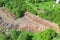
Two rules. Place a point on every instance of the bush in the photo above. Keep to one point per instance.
(3, 2)
(46, 35)
(2, 36)
(57, 37)
(14, 34)
(20, 35)
(25, 35)
(38, 1)
(18, 7)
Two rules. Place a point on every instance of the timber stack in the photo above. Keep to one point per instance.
(28, 22)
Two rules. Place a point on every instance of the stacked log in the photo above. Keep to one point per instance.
(39, 20)
(8, 13)
(29, 22)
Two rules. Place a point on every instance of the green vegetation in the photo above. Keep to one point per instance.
(18, 7)
(2, 36)
(17, 35)
(14, 34)
(57, 37)
(24, 35)
(45, 35)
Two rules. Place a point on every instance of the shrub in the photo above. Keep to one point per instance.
(3, 2)
(57, 37)
(14, 34)
(2, 36)
(25, 35)
(18, 7)
(46, 35)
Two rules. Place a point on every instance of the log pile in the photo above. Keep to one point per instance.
(29, 22)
